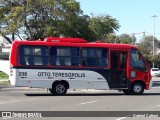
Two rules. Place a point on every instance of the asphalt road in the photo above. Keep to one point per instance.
(34, 99)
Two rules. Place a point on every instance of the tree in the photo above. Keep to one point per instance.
(146, 48)
(102, 26)
(38, 19)
(124, 38)
(111, 38)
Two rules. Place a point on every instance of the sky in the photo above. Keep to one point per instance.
(134, 16)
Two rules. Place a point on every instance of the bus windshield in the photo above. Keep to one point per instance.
(137, 61)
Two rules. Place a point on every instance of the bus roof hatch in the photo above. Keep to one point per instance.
(70, 40)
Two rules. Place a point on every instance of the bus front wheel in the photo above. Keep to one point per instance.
(59, 88)
(137, 88)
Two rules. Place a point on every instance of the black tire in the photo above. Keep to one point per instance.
(59, 88)
(137, 88)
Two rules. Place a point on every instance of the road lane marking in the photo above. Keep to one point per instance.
(121, 118)
(156, 87)
(88, 102)
(158, 106)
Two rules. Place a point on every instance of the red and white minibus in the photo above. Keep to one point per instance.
(73, 63)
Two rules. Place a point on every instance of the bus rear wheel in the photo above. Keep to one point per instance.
(137, 88)
(59, 88)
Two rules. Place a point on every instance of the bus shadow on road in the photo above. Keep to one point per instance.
(92, 94)
(79, 94)
(151, 94)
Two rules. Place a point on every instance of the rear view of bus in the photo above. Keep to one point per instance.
(73, 63)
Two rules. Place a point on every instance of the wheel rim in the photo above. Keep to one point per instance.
(137, 88)
(60, 89)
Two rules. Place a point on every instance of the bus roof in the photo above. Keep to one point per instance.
(75, 42)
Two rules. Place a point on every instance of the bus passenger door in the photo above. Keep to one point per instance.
(118, 62)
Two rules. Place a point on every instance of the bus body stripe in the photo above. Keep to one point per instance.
(104, 73)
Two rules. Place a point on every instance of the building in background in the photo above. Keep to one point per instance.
(5, 47)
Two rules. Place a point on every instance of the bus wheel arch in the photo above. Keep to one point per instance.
(137, 87)
(59, 87)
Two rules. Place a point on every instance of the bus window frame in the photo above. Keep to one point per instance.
(37, 46)
(107, 57)
(68, 66)
(64, 56)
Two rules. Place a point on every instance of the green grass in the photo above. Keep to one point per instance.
(4, 83)
(4, 79)
(3, 75)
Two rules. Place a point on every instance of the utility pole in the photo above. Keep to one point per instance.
(154, 16)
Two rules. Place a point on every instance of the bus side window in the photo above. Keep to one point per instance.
(62, 61)
(96, 57)
(104, 57)
(39, 55)
(90, 57)
(75, 60)
(30, 61)
(33, 55)
(84, 62)
(53, 53)
(64, 56)
(44, 55)
(22, 57)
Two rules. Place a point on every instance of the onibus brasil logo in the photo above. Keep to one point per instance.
(8, 115)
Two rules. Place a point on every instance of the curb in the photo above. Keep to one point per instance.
(2, 80)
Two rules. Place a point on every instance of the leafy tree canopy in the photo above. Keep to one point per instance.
(42, 18)
(146, 48)
(125, 38)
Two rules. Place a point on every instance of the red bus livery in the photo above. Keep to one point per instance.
(73, 63)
